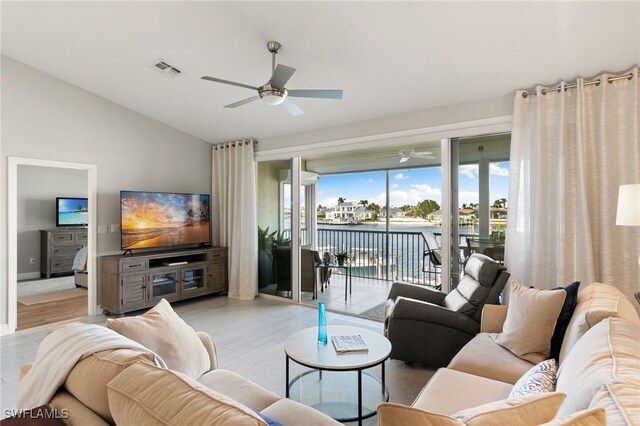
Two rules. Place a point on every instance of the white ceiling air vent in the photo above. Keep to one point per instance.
(166, 69)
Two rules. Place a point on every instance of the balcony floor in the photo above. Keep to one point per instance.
(366, 293)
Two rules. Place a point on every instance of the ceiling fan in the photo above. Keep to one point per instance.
(406, 154)
(274, 92)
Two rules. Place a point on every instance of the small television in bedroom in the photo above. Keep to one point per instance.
(161, 219)
(72, 211)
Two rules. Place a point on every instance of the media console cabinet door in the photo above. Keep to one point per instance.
(164, 283)
(134, 291)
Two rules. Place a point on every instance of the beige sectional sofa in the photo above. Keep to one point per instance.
(124, 387)
(599, 365)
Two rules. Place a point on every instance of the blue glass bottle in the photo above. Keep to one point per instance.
(322, 324)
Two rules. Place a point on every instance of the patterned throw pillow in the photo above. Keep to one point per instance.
(540, 378)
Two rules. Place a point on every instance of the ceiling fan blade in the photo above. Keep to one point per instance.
(281, 75)
(323, 94)
(233, 83)
(292, 108)
(423, 154)
(404, 159)
(242, 102)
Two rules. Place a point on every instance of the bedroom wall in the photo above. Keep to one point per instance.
(46, 118)
(38, 188)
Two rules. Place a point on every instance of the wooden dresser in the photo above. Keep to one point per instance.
(58, 248)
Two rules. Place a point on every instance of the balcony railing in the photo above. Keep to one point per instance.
(393, 255)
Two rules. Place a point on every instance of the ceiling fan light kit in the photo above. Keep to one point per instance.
(272, 95)
(274, 91)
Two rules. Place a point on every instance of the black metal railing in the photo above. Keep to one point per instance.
(393, 255)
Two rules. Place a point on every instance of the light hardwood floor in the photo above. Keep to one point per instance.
(38, 314)
(249, 337)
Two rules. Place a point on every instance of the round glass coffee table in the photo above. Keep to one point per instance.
(337, 385)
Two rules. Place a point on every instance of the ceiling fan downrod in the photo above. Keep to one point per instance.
(274, 48)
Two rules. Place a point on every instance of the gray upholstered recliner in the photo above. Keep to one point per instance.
(430, 327)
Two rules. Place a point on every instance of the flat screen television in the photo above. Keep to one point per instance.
(161, 219)
(72, 211)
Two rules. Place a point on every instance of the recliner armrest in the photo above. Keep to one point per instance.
(417, 292)
(416, 310)
(493, 317)
(207, 341)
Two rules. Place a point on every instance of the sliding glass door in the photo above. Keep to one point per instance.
(274, 228)
(479, 191)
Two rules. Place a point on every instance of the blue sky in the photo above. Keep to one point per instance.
(409, 186)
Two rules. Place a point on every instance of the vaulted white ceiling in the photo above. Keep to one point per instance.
(389, 57)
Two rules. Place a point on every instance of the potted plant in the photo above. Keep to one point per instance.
(342, 257)
(265, 257)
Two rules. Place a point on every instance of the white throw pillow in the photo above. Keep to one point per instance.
(530, 323)
(161, 330)
(540, 378)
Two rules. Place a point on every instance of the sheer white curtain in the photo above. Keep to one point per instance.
(570, 150)
(235, 226)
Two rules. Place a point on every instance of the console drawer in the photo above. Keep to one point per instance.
(81, 237)
(134, 265)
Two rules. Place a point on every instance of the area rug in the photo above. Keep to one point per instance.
(29, 288)
(377, 312)
(52, 296)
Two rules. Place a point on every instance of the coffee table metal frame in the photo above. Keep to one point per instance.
(343, 368)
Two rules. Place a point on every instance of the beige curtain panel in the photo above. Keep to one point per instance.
(571, 149)
(233, 200)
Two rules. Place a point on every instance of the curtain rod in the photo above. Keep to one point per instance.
(234, 143)
(574, 85)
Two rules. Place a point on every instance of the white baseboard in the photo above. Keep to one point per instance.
(28, 276)
(4, 329)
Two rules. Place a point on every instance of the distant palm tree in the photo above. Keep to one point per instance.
(364, 203)
(341, 200)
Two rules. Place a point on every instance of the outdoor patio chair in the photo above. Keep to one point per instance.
(429, 326)
(432, 256)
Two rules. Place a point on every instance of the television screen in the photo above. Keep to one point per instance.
(72, 211)
(158, 219)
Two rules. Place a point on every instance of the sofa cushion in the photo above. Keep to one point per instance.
(595, 303)
(523, 411)
(469, 390)
(78, 413)
(144, 394)
(540, 378)
(87, 381)
(292, 413)
(621, 402)
(390, 414)
(484, 357)
(594, 417)
(238, 388)
(531, 320)
(607, 353)
(164, 332)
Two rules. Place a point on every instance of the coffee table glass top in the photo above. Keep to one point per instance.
(303, 348)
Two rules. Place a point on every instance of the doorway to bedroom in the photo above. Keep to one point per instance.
(52, 239)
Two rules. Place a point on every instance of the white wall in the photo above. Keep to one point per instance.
(483, 109)
(44, 117)
(38, 188)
